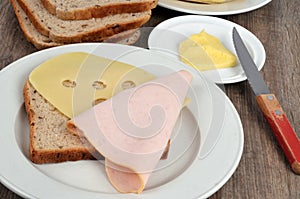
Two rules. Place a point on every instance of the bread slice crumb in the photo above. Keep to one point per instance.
(50, 141)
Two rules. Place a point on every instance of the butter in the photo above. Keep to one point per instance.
(74, 82)
(205, 52)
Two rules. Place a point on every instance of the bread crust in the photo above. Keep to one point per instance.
(98, 11)
(99, 33)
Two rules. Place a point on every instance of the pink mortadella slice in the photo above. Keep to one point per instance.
(132, 129)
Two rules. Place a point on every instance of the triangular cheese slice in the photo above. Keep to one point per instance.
(132, 129)
(74, 82)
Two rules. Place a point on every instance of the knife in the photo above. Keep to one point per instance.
(269, 105)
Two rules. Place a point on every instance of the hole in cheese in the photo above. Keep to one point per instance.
(128, 84)
(69, 83)
(97, 101)
(99, 85)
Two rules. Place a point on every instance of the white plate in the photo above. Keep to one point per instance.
(197, 166)
(167, 36)
(228, 8)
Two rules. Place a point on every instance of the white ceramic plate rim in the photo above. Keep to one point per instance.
(22, 177)
(165, 37)
(228, 8)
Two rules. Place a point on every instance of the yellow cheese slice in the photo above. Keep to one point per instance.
(74, 82)
(205, 52)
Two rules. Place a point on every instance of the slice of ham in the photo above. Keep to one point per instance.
(132, 129)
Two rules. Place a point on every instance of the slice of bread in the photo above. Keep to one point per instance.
(69, 31)
(50, 142)
(78, 9)
(41, 42)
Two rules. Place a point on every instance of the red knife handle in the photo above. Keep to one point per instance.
(282, 129)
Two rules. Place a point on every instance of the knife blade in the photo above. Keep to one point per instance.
(269, 105)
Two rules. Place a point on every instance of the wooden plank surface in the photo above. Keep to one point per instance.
(263, 171)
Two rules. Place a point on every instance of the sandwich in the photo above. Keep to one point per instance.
(81, 106)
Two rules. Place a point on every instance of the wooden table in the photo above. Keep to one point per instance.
(263, 171)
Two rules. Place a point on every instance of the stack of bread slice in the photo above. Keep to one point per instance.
(49, 23)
